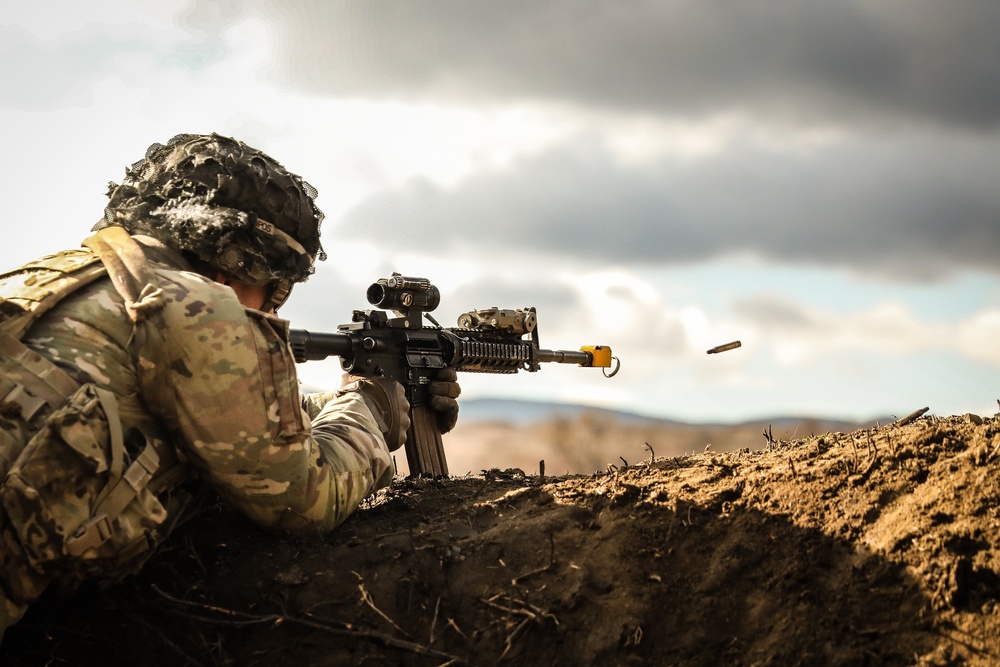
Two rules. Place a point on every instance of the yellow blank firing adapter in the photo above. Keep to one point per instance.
(600, 357)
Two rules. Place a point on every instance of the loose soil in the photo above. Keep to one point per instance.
(873, 547)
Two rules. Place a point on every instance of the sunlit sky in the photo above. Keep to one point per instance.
(816, 180)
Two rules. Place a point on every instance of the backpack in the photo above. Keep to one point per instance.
(79, 492)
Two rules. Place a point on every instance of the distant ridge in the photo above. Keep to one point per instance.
(521, 412)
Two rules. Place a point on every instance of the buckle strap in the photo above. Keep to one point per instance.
(142, 469)
(92, 534)
(122, 488)
(16, 395)
(110, 405)
(100, 527)
(54, 385)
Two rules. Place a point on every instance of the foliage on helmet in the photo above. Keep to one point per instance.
(230, 205)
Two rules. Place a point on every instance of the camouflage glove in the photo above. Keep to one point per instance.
(444, 390)
(387, 401)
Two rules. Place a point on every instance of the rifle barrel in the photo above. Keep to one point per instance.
(566, 357)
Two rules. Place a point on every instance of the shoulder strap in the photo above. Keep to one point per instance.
(128, 269)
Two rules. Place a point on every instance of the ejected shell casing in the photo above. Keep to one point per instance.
(725, 348)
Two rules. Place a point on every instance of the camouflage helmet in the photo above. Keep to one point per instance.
(229, 205)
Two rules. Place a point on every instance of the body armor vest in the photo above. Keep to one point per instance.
(71, 486)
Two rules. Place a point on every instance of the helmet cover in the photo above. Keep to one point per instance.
(231, 206)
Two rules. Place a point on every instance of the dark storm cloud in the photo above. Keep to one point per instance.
(795, 60)
(911, 206)
(774, 313)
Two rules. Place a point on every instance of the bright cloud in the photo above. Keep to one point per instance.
(661, 178)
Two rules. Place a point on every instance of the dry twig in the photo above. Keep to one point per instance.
(366, 598)
(528, 610)
(234, 618)
(552, 561)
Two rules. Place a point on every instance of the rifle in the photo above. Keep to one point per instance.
(492, 340)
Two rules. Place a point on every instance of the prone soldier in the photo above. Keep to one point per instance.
(151, 361)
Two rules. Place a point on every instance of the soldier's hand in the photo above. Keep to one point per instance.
(444, 390)
(387, 401)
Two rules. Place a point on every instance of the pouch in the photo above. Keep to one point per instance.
(63, 494)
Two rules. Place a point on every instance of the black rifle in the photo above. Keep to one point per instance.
(403, 349)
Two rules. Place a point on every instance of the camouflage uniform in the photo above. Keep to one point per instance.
(201, 386)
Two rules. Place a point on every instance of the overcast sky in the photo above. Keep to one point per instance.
(815, 179)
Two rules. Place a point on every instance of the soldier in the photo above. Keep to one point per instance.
(152, 360)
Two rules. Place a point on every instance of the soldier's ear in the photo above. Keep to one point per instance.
(221, 278)
(251, 296)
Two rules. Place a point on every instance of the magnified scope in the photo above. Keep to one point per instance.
(401, 294)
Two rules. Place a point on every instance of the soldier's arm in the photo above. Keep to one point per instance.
(236, 408)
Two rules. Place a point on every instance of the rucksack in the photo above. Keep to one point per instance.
(74, 490)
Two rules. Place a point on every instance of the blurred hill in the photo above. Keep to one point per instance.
(508, 433)
(521, 412)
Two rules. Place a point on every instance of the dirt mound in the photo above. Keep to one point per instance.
(877, 547)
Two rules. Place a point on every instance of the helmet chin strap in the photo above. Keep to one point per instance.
(278, 295)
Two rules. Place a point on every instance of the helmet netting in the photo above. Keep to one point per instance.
(209, 196)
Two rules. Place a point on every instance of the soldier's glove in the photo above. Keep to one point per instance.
(387, 401)
(444, 390)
